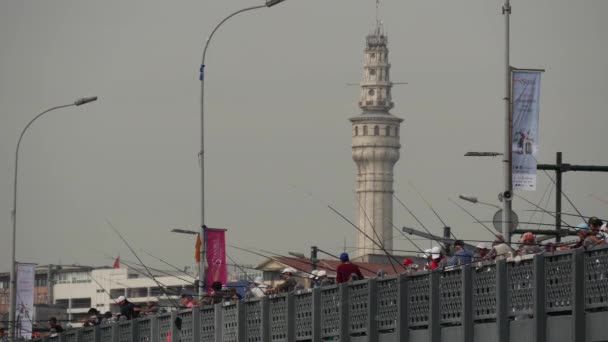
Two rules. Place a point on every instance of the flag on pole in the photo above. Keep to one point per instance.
(197, 248)
(116, 262)
(525, 94)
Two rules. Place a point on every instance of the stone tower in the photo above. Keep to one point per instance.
(375, 147)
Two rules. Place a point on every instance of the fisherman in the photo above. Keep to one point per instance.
(500, 250)
(594, 237)
(437, 258)
(216, 296)
(314, 280)
(95, 318)
(481, 251)
(289, 282)
(150, 309)
(528, 245)
(323, 279)
(427, 255)
(54, 325)
(259, 288)
(346, 269)
(462, 256)
(127, 309)
(187, 300)
(408, 263)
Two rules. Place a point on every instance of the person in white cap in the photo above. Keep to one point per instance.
(481, 251)
(289, 282)
(258, 287)
(436, 258)
(314, 280)
(323, 279)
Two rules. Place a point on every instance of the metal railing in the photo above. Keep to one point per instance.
(570, 284)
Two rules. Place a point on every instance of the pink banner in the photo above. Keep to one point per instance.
(216, 256)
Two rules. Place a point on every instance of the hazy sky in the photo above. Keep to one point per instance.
(278, 136)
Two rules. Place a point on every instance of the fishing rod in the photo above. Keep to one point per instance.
(365, 234)
(599, 199)
(103, 288)
(301, 260)
(271, 258)
(538, 224)
(568, 214)
(189, 281)
(431, 207)
(168, 264)
(417, 220)
(534, 204)
(486, 227)
(338, 258)
(405, 236)
(542, 219)
(375, 232)
(133, 251)
(563, 193)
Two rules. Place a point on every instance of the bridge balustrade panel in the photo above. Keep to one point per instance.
(207, 323)
(70, 336)
(559, 281)
(330, 312)
(164, 326)
(419, 295)
(186, 333)
(450, 292)
(144, 329)
(387, 291)
(358, 314)
(87, 334)
(125, 331)
(54, 338)
(520, 294)
(106, 332)
(303, 311)
(278, 318)
(253, 320)
(484, 291)
(230, 322)
(596, 278)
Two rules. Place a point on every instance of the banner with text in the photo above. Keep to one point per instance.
(25, 299)
(525, 96)
(216, 256)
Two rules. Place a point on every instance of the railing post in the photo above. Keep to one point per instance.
(502, 301)
(96, 337)
(115, 332)
(540, 315)
(173, 330)
(316, 315)
(241, 322)
(372, 310)
(344, 326)
(402, 325)
(467, 303)
(154, 326)
(291, 317)
(219, 323)
(265, 309)
(578, 295)
(434, 307)
(134, 330)
(196, 323)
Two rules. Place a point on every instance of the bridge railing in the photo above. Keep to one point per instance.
(565, 283)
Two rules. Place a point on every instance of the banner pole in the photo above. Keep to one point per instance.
(507, 195)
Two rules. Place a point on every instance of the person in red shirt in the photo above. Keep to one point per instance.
(345, 270)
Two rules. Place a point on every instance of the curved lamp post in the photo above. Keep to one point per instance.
(269, 3)
(13, 285)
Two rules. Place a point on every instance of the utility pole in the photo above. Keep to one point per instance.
(313, 257)
(507, 195)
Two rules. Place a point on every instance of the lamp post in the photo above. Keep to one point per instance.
(269, 3)
(13, 285)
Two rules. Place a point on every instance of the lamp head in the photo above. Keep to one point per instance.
(85, 100)
(270, 3)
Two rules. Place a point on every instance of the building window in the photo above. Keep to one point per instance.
(372, 55)
(376, 130)
(62, 302)
(396, 131)
(81, 303)
(115, 293)
(372, 72)
(356, 130)
(387, 131)
(364, 130)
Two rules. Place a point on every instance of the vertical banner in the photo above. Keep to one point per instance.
(215, 249)
(25, 300)
(525, 93)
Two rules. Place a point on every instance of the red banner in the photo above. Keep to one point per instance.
(216, 256)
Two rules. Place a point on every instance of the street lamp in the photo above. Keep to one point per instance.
(269, 3)
(473, 199)
(184, 231)
(13, 289)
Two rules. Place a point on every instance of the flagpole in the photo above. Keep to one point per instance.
(507, 195)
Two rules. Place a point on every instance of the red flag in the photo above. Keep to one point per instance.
(197, 248)
(117, 262)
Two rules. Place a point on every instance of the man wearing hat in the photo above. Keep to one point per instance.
(289, 282)
(314, 280)
(323, 279)
(187, 300)
(528, 245)
(346, 269)
(258, 287)
(127, 309)
(461, 256)
(481, 250)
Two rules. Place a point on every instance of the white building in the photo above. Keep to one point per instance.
(81, 290)
(375, 148)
